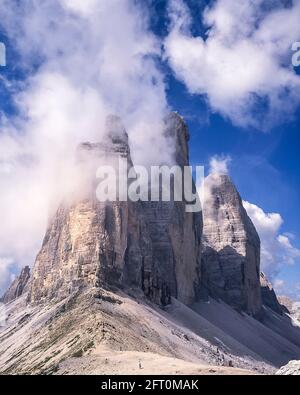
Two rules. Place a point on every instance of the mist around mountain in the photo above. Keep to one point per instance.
(122, 285)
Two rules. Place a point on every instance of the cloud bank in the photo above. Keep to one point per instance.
(243, 63)
(277, 249)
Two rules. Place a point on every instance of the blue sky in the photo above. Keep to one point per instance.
(264, 159)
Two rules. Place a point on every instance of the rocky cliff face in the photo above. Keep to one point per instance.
(268, 295)
(154, 246)
(175, 235)
(18, 286)
(92, 243)
(231, 247)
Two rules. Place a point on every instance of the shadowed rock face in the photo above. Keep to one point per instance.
(268, 295)
(18, 286)
(175, 235)
(231, 247)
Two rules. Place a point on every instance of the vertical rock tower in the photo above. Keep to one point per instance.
(175, 234)
(231, 247)
(88, 242)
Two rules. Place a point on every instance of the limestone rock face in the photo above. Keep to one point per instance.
(291, 369)
(175, 235)
(154, 246)
(231, 247)
(89, 242)
(268, 295)
(18, 286)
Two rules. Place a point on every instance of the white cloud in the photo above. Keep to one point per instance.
(83, 7)
(292, 252)
(276, 248)
(279, 284)
(84, 59)
(285, 241)
(244, 62)
(219, 164)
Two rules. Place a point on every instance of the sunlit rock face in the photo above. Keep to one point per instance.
(231, 247)
(88, 242)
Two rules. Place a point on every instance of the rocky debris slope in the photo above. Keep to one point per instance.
(274, 339)
(18, 286)
(268, 295)
(96, 331)
(231, 247)
(291, 369)
(91, 328)
(175, 234)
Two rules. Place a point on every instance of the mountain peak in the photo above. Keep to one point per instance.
(231, 247)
